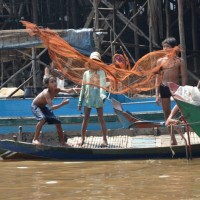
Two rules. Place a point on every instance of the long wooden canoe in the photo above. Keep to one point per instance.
(122, 144)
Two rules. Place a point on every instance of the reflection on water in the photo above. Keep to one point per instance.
(119, 180)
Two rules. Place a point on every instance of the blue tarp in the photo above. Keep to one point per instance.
(80, 39)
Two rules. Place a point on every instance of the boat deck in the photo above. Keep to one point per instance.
(122, 141)
(122, 138)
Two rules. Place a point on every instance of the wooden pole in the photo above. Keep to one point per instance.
(11, 77)
(167, 18)
(67, 13)
(182, 31)
(74, 8)
(96, 23)
(150, 25)
(34, 69)
(136, 39)
(113, 49)
(194, 33)
(1, 73)
(10, 95)
(34, 6)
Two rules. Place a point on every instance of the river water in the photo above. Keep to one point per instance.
(117, 180)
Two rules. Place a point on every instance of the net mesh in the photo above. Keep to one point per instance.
(122, 78)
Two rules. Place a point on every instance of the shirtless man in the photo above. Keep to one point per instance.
(171, 121)
(171, 74)
(45, 114)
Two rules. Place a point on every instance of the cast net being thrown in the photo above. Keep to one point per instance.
(121, 79)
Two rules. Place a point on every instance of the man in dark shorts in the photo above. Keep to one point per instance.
(164, 91)
(171, 73)
(45, 113)
(42, 108)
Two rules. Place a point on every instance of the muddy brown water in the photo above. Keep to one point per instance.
(119, 180)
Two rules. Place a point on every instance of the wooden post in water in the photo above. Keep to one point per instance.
(194, 33)
(136, 39)
(113, 48)
(167, 15)
(34, 7)
(150, 25)
(1, 72)
(96, 23)
(34, 69)
(182, 31)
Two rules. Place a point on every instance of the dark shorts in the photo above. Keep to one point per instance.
(164, 91)
(45, 113)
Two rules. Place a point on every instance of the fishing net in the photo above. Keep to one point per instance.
(121, 77)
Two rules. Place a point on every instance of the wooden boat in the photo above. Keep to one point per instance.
(129, 120)
(16, 112)
(134, 143)
(190, 112)
(70, 123)
(143, 107)
(17, 107)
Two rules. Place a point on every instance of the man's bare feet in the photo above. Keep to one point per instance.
(173, 142)
(81, 142)
(36, 142)
(104, 143)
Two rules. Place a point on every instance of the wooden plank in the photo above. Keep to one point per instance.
(114, 141)
(129, 142)
(89, 141)
(96, 142)
(194, 138)
(93, 141)
(110, 141)
(158, 141)
(124, 141)
(120, 141)
(74, 141)
(117, 142)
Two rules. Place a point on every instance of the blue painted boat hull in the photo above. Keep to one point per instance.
(15, 112)
(22, 107)
(65, 153)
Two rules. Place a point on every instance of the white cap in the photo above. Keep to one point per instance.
(95, 55)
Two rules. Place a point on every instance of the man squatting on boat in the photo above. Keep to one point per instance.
(42, 107)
